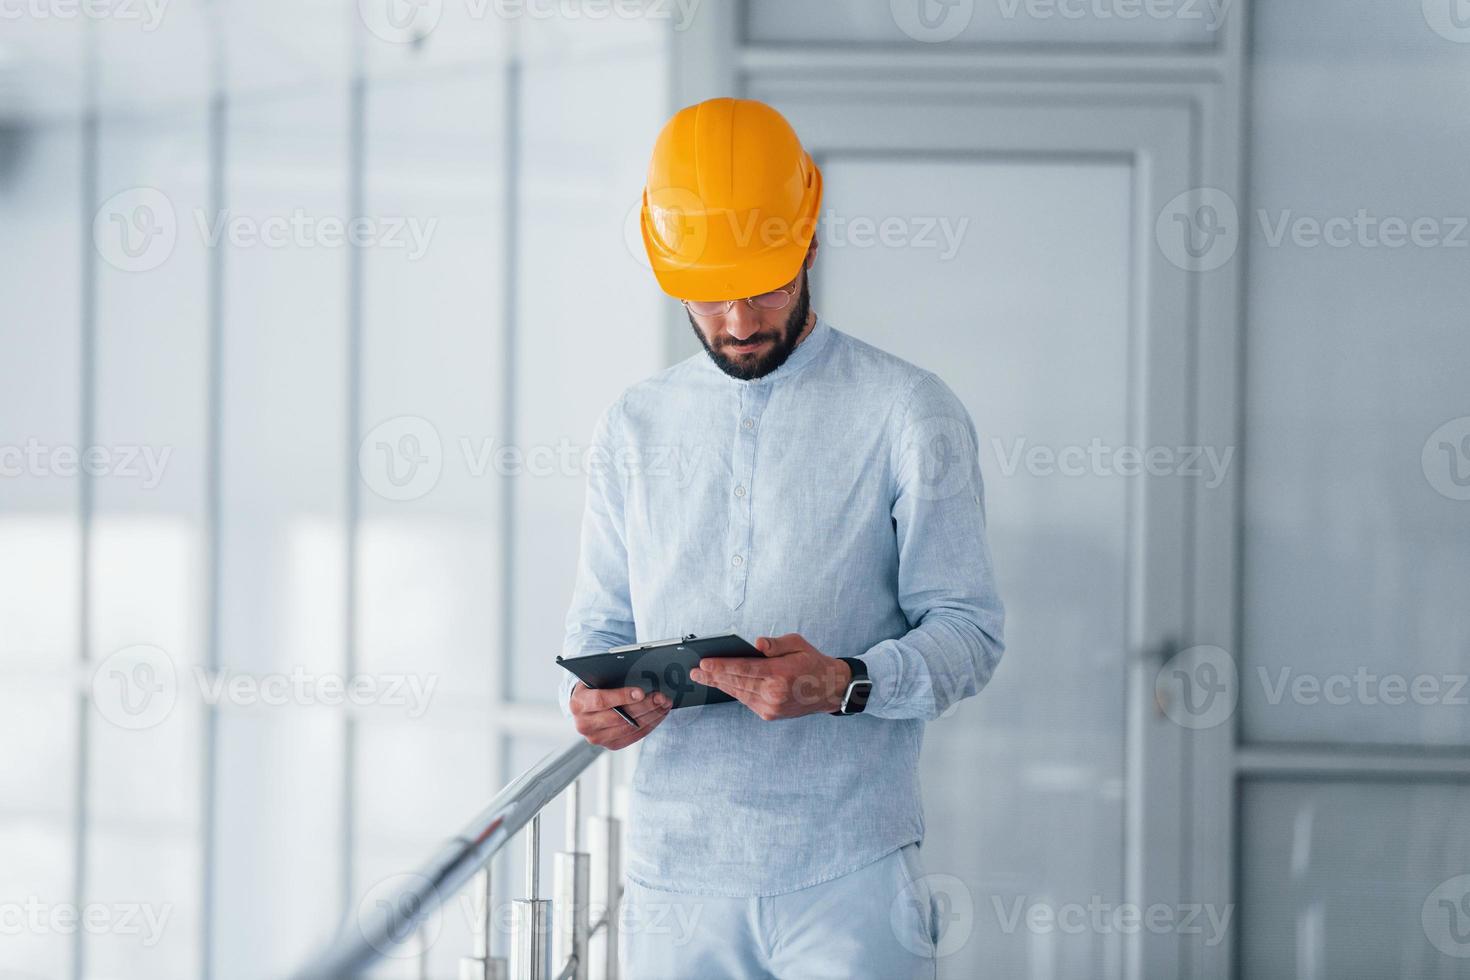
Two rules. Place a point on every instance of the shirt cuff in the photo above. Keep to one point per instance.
(885, 670)
(564, 695)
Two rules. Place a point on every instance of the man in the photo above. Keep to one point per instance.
(827, 501)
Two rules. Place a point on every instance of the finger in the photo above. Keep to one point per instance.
(647, 706)
(729, 667)
(757, 704)
(588, 699)
(629, 735)
(602, 731)
(779, 646)
(601, 721)
(736, 686)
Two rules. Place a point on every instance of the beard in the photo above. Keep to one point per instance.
(746, 367)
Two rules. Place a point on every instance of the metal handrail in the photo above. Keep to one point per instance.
(393, 920)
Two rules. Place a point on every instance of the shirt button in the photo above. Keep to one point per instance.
(748, 424)
(739, 491)
(737, 561)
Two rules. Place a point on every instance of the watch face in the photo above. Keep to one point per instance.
(857, 696)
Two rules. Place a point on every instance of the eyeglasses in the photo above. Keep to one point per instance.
(776, 299)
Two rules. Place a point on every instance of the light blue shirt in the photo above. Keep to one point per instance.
(838, 497)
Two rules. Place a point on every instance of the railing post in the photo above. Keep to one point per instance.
(481, 965)
(571, 891)
(531, 916)
(604, 845)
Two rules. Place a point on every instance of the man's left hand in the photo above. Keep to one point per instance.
(792, 679)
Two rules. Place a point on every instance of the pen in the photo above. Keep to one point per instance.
(627, 717)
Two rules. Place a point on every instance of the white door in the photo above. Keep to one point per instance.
(1007, 243)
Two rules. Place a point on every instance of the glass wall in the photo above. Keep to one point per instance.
(1355, 620)
(300, 275)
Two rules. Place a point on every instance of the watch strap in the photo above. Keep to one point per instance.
(855, 698)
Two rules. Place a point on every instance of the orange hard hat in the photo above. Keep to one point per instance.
(730, 206)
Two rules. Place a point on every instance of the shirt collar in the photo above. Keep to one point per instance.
(806, 352)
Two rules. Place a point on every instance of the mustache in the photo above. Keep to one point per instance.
(755, 340)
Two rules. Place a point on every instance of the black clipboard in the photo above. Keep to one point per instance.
(661, 665)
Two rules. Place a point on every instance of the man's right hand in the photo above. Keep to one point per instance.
(600, 725)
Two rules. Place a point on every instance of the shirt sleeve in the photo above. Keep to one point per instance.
(946, 583)
(601, 613)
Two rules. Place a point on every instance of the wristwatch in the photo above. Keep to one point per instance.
(855, 698)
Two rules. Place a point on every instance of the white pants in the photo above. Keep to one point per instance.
(878, 921)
